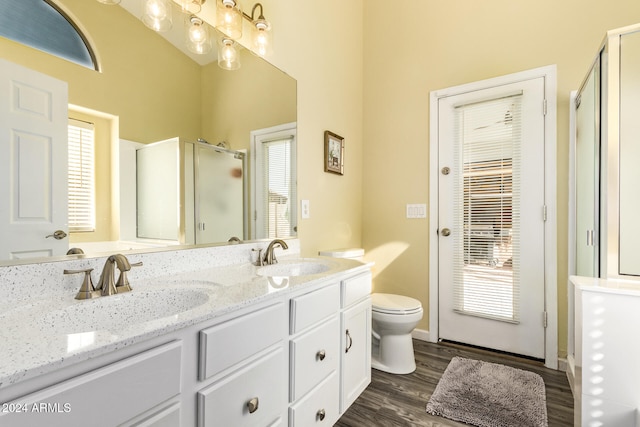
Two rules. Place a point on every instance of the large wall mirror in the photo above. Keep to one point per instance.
(149, 90)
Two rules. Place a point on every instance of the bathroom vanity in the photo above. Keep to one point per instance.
(232, 344)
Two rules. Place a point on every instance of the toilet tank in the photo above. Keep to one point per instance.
(352, 253)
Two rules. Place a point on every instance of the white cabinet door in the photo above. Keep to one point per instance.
(356, 353)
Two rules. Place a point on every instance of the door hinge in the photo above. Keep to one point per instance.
(544, 212)
(544, 107)
(544, 319)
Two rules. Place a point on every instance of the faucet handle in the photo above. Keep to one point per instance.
(256, 257)
(87, 290)
(122, 285)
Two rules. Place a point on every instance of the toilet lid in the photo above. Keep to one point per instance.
(394, 304)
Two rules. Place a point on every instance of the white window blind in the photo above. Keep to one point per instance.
(81, 176)
(486, 209)
(280, 190)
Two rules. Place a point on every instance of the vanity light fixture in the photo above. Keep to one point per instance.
(229, 18)
(228, 58)
(157, 14)
(190, 6)
(197, 36)
(109, 2)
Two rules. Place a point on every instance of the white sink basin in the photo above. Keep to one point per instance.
(298, 267)
(119, 311)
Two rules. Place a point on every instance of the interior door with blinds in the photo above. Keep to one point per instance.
(491, 218)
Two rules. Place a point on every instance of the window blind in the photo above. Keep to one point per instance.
(278, 169)
(81, 177)
(486, 209)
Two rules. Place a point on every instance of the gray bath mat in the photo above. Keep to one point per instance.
(489, 395)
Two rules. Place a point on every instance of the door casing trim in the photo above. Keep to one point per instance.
(549, 73)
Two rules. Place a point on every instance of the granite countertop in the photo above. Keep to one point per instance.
(43, 335)
(612, 285)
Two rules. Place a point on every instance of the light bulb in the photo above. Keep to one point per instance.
(262, 38)
(157, 15)
(228, 57)
(198, 40)
(229, 18)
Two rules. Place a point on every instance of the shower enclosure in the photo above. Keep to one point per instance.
(190, 192)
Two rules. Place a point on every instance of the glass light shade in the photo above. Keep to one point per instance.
(197, 36)
(157, 14)
(190, 6)
(228, 55)
(262, 40)
(229, 18)
(109, 2)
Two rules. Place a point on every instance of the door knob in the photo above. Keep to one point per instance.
(445, 232)
(58, 235)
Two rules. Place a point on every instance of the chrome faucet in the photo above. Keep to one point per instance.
(269, 255)
(107, 283)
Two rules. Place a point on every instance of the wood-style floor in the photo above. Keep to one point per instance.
(400, 400)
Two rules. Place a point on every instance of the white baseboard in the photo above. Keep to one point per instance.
(420, 334)
(570, 369)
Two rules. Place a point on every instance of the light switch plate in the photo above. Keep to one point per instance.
(417, 210)
(304, 207)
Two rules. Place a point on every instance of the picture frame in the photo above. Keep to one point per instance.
(333, 153)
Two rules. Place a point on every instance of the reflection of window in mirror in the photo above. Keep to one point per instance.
(275, 183)
(104, 223)
(81, 181)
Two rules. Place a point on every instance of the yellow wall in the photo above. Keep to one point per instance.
(430, 45)
(320, 44)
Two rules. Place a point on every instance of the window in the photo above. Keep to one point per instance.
(81, 189)
(45, 26)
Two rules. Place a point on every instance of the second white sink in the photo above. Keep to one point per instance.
(297, 267)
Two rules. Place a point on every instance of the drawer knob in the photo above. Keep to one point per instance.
(321, 414)
(321, 355)
(252, 405)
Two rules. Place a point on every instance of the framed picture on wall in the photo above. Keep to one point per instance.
(333, 153)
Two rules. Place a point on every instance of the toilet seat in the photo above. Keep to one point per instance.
(394, 304)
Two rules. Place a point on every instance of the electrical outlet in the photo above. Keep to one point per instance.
(304, 206)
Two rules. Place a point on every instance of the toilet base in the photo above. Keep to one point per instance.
(393, 354)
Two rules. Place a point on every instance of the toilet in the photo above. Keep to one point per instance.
(393, 319)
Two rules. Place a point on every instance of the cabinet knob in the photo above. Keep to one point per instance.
(252, 405)
(321, 355)
(321, 414)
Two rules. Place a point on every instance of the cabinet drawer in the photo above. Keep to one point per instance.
(320, 407)
(312, 307)
(355, 288)
(107, 396)
(165, 417)
(228, 343)
(313, 356)
(226, 402)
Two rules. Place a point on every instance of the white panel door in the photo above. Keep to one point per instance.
(33, 172)
(491, 222)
